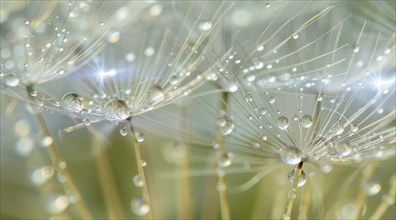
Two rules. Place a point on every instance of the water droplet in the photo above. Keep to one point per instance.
(116, 109)
(248, 98)
(58, 204)
(306, 121)
(295, 118)
(86, 121)
(283, 123)
(139, 206)
(354, 128)
(138, 181)
(205, 26)
(262, 111)
(123, 131)
(46, 141)
(271, 100)
(139, 137)
(343, 149)
(144, 163)
(301, 180)
(225, 159)
(371, 186)
(11, 81)
(225, 124)
(337, 128)
(157, 95)
(72, 102)
(260, 48)
(32, 92)
(290, 155)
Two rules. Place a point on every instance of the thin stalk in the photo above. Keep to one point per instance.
(59, 163)
(293, 191)
(138, 158)
(387, 200)
(305, 201)
(106, 178)
(225, 212)
(183, 184)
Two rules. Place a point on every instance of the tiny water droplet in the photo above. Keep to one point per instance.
(144, 163)
(138, 181)
(262, 111)
(46, 141)
(306, 121)
(139, 137)
(283, 123)
(354, 128)
(157, 95)
(123, 131)
(301, 180)
(72, 102)
(225, 159)
(86, 121)
(116, 109)
(139, 206)
(225, 124)
(271, 100)
(290, 155)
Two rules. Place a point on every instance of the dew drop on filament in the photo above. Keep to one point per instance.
(225, 159)
(301, 180)
(139, 206)
(283, 123)
(290, 155)
(116, 109)
(225, 124)
(156, 95)
(306, 121)
(123, 131)
(73, 102)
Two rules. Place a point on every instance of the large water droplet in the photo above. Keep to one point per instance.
(139, 206)
(306, 121)
(282, 122)
(371, 186)
(156, 95)
(343, 149)
(301, 180)
(290, 155)
(72, 102)
(116, 109)
(138, 181)
(225, 124)
(225, 159)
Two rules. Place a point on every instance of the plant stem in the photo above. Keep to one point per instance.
(293, 191)
(106, 178)
(58, 162)
(225, 212)
(305, 201)
(138, 158)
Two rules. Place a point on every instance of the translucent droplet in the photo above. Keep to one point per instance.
(116, 109)
(123, 131)
(11, 81)
(225, 124)
(139, 206)
(271, 100)
(204, 26)
(290, 155)
(260, 48)
(354, 128)
(144, 163)
(337, 128)
(306, 121)
(58, 204)
(282, 122)
(46, 141)
(225, 159)
(138, 181)
(295, 118)
(72, 102)
(157, 95)
(343, 149)
(86, 121)
(301, 180)
(371, 186)
(262, 111)
(139, 137)
(248, 98)
(32, 92)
